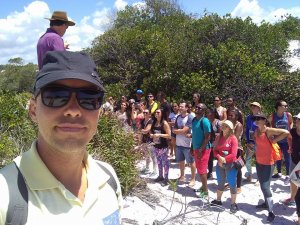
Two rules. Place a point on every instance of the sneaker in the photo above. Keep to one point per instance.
(262, 206)
(153, 174)
(234, 208)
(198, 190)
(165, 182)
(159, 179)
(287, 180)
(202, 194)
(209, 176)
(216, 202)
(277, 175)
(271, 217)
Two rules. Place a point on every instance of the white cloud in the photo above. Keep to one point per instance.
(120, 4)
(20, 31)
(251, 8)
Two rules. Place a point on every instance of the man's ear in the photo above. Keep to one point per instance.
(32, 109)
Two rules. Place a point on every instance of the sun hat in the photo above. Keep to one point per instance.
(228, 123)
(260, 115)
(297, 116)
(61, 16)
(255, 104)
(60, 65)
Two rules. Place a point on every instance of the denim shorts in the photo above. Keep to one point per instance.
(184, 153)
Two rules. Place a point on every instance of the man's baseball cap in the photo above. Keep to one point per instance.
(139, 91)
(60, 65)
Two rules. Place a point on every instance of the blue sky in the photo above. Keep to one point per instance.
(22, 21)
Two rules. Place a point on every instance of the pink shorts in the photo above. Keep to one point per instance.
(202, 163)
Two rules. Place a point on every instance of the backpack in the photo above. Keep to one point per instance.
(17, 211)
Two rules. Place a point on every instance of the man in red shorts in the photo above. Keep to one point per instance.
(201, 130)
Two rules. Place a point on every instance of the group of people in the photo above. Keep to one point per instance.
(196, 135)
(56, 181)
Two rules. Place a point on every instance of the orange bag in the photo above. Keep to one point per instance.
(276, 152)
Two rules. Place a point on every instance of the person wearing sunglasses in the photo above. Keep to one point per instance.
(264, 136)
(63, 182)
(284, 120)
(151, 104)
(147, 144)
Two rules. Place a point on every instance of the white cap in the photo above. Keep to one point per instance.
(297, 116)
(228, 123)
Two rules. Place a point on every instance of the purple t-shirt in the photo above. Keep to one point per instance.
(50, 41)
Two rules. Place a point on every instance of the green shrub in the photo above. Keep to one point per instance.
(113, 145)
(17, 131)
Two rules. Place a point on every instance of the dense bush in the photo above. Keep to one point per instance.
(17, 131)
(113, 145)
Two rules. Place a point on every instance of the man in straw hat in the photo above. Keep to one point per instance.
(255, 108)
(52, 39)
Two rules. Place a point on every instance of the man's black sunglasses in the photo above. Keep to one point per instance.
(59, 96)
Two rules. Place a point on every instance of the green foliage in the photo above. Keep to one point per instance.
(17, 131)
(113, 145)
(158, 47)
(16, 77)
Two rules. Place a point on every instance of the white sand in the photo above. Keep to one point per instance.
(187, 209)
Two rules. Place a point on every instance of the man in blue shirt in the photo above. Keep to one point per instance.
(255, 108)
(201, 129)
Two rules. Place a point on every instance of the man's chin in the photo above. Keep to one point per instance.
(71, 145)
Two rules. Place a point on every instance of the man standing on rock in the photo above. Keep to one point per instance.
(52, 39)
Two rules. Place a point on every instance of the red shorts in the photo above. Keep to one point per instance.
(202, 163)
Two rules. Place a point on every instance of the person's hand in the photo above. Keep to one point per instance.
(290, 151)
(66, 44)
(188, 135)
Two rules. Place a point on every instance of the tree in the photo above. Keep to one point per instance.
(158, 47)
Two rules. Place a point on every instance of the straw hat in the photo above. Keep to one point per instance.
(228, 123)
(255, 104)
(62, 16)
